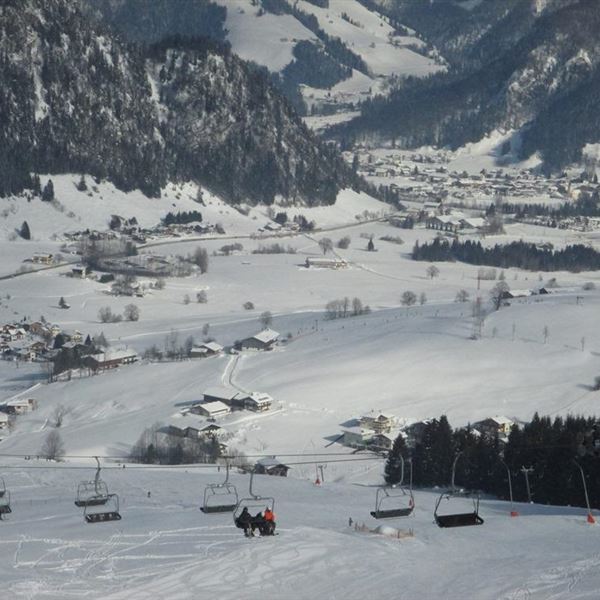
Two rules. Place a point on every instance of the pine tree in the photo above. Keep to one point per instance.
(393, 465)
(24, 231)
(48, 192)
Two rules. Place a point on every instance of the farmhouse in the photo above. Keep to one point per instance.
(383, 441)
(81, 271)
(206, 349)
(494, 426)
(271, 466)
(110, 359)
(20, 407)
(264, 340)
(44, 258)
(211, 409)
(379, 424)
(356, 437)
(325, 263)
(258, 401)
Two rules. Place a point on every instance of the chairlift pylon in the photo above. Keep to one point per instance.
(94, 492)
(253, 502)
(395, 501)
(457, 519)
(220, 497)
(5, 508)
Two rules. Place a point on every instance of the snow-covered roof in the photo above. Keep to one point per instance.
(212, 346)
(216, 406)
(114, 355)
(221, 392)
(266, 336)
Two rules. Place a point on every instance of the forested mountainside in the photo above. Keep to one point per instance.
(145, 21)
(76, 98)
(533, 66)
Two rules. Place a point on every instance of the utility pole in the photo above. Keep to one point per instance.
(526, 471)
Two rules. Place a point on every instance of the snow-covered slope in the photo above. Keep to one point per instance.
(164, 547)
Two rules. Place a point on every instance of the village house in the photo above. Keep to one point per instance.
(356, 437)
(211, 410)
(257, 401)
(271, 466)
(44, 258)
(236, 400)
(110, 359)
(492, 426)
(19, 406)
(380, 423)
(205, 350)
(383, 441)
(264, 340)
(80, 271)
(325, 263)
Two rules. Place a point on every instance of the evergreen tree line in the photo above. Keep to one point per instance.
(523, 255)
(182, 217)
(549, 447)
(585, 206)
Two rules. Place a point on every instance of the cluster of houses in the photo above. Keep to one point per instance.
(221, 401)
(377, 432)
(32, 341)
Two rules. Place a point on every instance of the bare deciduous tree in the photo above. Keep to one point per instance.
(200, 259)
(462, 296)
(58, 414)
(266, 319)
(498, 293)
(422, 298)
(432, 271)
(53, 447)
(408, 298)
(105, 314)
(344, 243)
(131, 312)
(326, 245)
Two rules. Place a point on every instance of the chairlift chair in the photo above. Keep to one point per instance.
(109, 512)
(394, 501)
(457, 519)
(92, 493)
(254, 503)
(220, 497)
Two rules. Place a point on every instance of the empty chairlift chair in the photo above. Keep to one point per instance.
(220, 497)
(109, 511)
(254, 503)
(98, 504)
(92, 493)
(4, 500)
(394, 501)
(463, 519)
